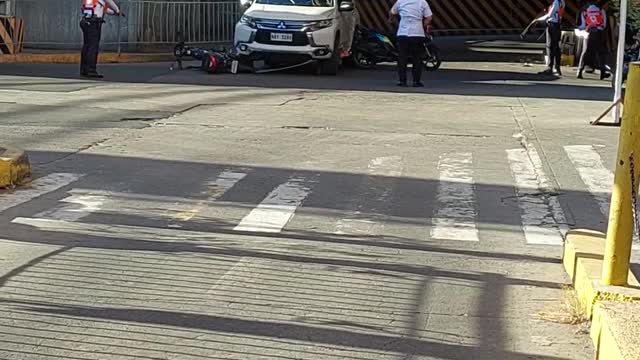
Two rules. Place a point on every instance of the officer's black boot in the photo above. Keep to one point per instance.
(94, 75)
(580, 74)
(604, 73)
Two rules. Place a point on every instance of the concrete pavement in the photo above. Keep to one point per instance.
(182, 216)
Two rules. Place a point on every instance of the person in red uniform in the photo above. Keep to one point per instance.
(593, 19)
(93, 12)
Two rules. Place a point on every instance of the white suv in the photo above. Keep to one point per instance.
(290, 31)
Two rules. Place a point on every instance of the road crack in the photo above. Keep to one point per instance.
(302, 96)
(548, 186)
(81, 149)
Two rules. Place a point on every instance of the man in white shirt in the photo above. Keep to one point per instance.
(415, 16)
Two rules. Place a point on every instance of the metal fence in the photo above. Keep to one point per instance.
(149, 25)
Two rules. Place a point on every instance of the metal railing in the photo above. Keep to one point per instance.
(149, 25)
(195, 22)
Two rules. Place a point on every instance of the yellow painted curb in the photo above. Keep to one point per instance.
(607, 306)
(15, 168)
(74, 58)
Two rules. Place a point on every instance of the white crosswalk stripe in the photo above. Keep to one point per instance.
(123, 203)
(77, 207)
(115, 231)
(277, 209)
(84, 202)
(213, 191)
(595, 176)
(455, 218)
(37, 188)
(541, 214)
(358, 223)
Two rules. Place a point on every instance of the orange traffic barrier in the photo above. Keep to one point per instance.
(11, 35)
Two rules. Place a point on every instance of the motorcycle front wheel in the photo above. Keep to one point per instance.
(362, 61)
(432, 60)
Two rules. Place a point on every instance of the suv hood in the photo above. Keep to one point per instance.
(293, 13)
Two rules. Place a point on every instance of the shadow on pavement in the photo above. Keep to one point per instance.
(502, 80)
(135, 286)
(279, 330)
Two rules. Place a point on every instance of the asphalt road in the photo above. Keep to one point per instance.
(177, 215)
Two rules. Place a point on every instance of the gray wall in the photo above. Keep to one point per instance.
(54, 24)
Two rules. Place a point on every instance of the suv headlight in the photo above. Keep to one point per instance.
(249, 21)
(318, 25)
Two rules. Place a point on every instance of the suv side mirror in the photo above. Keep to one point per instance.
(245, 3)
(346, 6)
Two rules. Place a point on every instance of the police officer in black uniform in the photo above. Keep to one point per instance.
(93, 12)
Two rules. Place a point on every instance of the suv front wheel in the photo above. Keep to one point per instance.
(332, 65)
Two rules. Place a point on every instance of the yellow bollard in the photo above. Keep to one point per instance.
(621, 223)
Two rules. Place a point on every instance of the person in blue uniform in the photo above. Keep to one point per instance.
(553, 18)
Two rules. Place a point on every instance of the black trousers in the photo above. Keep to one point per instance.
(554, 35)
(584, 61)
(91, 31)
(595, 52)
(410, 48)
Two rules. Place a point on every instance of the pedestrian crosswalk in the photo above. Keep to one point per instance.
(453, 212)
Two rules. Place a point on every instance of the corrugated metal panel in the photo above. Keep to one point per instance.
(56, 23)
(461, 17)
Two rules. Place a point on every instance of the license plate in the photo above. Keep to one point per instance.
(282, 37)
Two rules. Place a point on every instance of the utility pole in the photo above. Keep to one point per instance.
(622, 24)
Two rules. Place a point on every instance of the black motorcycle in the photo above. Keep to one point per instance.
(212, 61)
(371, 47)
(630, 55)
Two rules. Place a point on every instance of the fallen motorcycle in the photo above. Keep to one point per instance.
(371, 47)
(630, 55)
(219, 61)
(212, 61)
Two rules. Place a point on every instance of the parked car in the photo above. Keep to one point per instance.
(291, 31)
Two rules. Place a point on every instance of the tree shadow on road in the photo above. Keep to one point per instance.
(500, 80)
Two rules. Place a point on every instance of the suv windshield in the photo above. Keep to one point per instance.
(318, 3)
